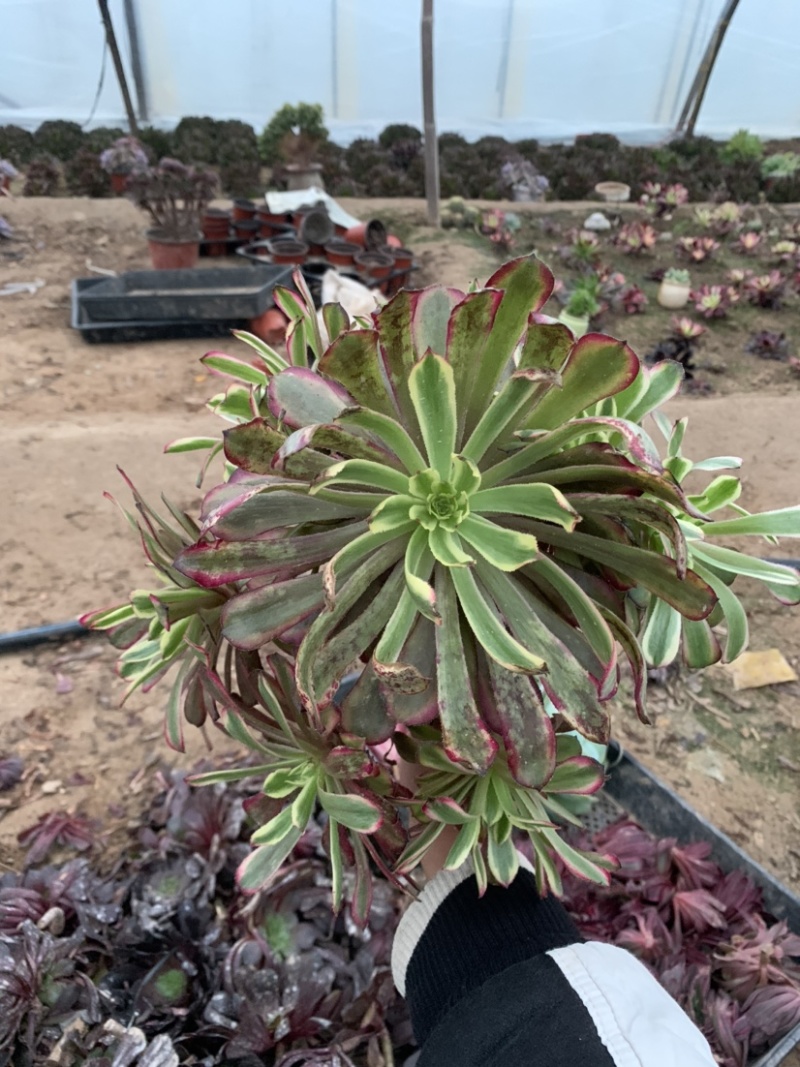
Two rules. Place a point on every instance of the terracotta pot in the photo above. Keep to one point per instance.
(246, 229)
(119, 183)
(375, 264)
(280, 218)
(341, 253)
(275, 229)
(216, 223)
(216, 248)
(393, 242)
(170, 253)
(673, 294)
(243, 209)
(287, 250)
(270, 326)
(403, 257)
(370, 235)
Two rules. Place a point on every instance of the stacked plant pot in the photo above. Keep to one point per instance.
(308, 238)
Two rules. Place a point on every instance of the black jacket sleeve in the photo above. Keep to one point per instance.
(506, 979)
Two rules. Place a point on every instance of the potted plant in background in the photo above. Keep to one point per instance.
(175, 197)
(674, 290)
(440, 503)
(582, 304)
(125, 156)
(298, 164)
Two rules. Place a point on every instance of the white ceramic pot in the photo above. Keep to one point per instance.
(579, 324)
(613, 192)
(673, 294)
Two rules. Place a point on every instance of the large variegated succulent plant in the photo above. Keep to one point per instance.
(457, 506)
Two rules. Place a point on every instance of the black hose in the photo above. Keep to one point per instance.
(786, 562)
(36, 635)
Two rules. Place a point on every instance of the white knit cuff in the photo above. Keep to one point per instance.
(417, 916)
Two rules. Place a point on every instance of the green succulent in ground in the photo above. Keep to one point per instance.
(455, 507)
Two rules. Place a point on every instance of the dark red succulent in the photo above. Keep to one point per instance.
(64, 828)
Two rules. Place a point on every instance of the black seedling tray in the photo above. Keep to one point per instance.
(632, 789)
(180, 295)
(111, 331)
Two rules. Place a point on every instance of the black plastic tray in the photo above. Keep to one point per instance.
(112, 332)
(178, 295)
(637, 791)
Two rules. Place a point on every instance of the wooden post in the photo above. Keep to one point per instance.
(123, 82)
(697, 92)
(429, 114)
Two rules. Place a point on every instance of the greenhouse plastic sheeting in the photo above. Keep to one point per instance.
(520, 68)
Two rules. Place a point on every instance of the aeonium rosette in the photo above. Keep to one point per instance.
(456, 505)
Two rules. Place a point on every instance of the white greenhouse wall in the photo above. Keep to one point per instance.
(520, 68)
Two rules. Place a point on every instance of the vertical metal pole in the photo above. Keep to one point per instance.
(429, 114)
(114, 49)
(139, 83)
(694, 101)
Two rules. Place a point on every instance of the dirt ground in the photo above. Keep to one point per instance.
(71, 412)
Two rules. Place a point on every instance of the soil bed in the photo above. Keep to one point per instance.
(70, 412)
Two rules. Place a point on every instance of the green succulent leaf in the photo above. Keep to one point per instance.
(782, 523)
(432, 390)
(260, 866)
(503, 858)
(418, 567)
(236, 368)
(357, 813)
(390, 433)
(508, 550)
(661, 639)
(364, 472)
(488, 627)
(699, 645)
(536, 501)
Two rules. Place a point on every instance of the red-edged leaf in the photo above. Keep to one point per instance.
(630, 646)
(263, 512)
(466, 738)
(353, 361)
(299, 397)
(691, 596)
(566, 681)
(598, 366)
(579, 774)
(526, 728)
(418, 655)
(331, 438)
(526, 284)
(221, 562)
(546, 346)
(468, 333)
(254, 618)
